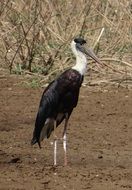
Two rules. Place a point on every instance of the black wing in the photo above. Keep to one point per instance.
(61, 96)
(48, 103)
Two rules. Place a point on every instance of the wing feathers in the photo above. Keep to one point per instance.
(47, 106)
(61, 96)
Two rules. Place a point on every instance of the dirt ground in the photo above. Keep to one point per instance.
(99, 141)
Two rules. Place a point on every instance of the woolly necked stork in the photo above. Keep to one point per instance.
(61, 97)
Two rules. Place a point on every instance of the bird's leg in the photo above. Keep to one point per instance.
(65, 151)
(55, 152)
(55, 145)
(64, 140)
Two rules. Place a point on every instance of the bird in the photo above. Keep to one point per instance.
(60, 97)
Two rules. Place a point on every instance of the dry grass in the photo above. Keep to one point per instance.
(35, 35)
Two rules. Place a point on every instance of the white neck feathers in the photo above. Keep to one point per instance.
(81, 61)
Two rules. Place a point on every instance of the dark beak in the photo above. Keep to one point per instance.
(89, 52)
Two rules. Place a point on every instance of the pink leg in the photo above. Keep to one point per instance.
(55, 145)
(65, 141)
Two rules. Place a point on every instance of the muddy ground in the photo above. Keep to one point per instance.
(99, 141)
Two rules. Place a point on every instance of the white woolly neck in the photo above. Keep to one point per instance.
(81, 61)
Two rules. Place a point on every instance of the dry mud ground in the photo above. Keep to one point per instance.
(99, 141)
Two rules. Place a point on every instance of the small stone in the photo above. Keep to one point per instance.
(100, 156)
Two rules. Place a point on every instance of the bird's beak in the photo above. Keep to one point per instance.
(91, 54)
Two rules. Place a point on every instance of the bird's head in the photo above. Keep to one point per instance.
(79, 45)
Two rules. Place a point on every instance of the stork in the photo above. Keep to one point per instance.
(61, 97)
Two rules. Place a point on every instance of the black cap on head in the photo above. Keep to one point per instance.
(80, 41)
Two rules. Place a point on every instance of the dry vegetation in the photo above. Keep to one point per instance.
(35, 35)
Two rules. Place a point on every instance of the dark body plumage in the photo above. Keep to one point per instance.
(58, 99)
